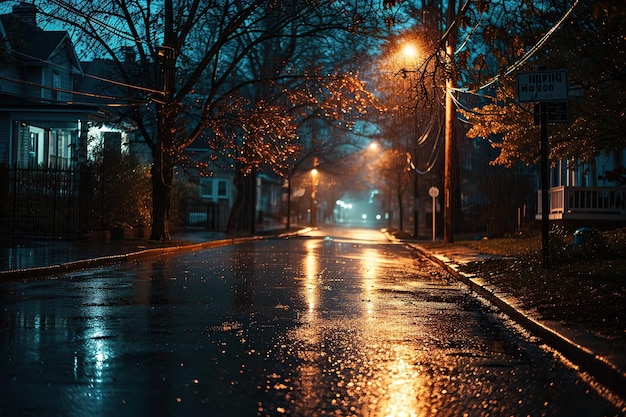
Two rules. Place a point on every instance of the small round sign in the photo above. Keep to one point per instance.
(433, 192)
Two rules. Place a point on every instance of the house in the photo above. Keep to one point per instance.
(40, 124)
(110, 127)
(209, 203)
(581, 193)
(42, 129)
(588, 194)
(50, 113)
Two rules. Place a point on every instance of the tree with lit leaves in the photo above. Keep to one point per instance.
(193, 74)
(496, 39)
(590, 45)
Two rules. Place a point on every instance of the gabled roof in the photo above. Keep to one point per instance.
(4, 41)
(32, 45)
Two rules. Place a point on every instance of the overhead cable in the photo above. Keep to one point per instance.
(64, 90)
(515, 66)
(95, 77)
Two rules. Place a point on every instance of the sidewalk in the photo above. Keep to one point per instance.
(38, 258)
(30, 254)
(25, 254)
(606, 363)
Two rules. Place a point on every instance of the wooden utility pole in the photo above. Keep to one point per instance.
(450, 142)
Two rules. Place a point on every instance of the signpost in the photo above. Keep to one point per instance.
(557, 112)
(434, 193)
(549, 90)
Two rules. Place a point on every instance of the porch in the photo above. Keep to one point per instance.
(585, 203)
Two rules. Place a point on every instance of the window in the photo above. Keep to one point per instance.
(213, 188)
(32, 149)
(222, 189)
(56, 85)
(60, 149)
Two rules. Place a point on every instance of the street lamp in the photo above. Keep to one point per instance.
(409, 51)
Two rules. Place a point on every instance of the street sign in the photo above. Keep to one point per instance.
(542, 86)
(556, 112)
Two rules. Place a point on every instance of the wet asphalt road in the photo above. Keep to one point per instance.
(337, 323)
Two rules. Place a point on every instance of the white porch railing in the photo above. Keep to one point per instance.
(586, 200)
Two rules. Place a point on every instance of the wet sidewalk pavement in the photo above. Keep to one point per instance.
(604, 361)
(591, 354)
(21, 254)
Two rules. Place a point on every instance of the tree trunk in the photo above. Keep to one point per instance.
(234, 214)
(162, 175)
(237, 216)
(252, 212)
(164, 154)
(243, 214)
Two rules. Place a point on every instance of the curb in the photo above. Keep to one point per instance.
(67, 267)
(587, 361)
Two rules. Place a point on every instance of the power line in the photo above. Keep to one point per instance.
(64, 90)
(454, 23)
(531, 51)
(469, 35)
(95, 77)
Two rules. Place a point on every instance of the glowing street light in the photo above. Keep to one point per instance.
(409, 51)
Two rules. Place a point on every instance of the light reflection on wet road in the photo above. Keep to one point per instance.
(300, 327)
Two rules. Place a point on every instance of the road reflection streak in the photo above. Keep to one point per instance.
(369, 274)
(399, 377)
(312, 271)
(369, 371)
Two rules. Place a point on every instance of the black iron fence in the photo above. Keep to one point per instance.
(46, 202)
(67, 203)
(199, 213)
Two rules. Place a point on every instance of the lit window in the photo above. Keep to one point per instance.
(213, 188)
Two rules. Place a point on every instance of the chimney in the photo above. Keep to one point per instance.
(129, 54)
(26, 12)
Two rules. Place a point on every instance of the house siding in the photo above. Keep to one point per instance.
(22, 148)
(5, 139)
(32, 87)
(11, 87)
(590, 174)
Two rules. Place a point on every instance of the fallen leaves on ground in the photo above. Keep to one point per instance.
(584, 294)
